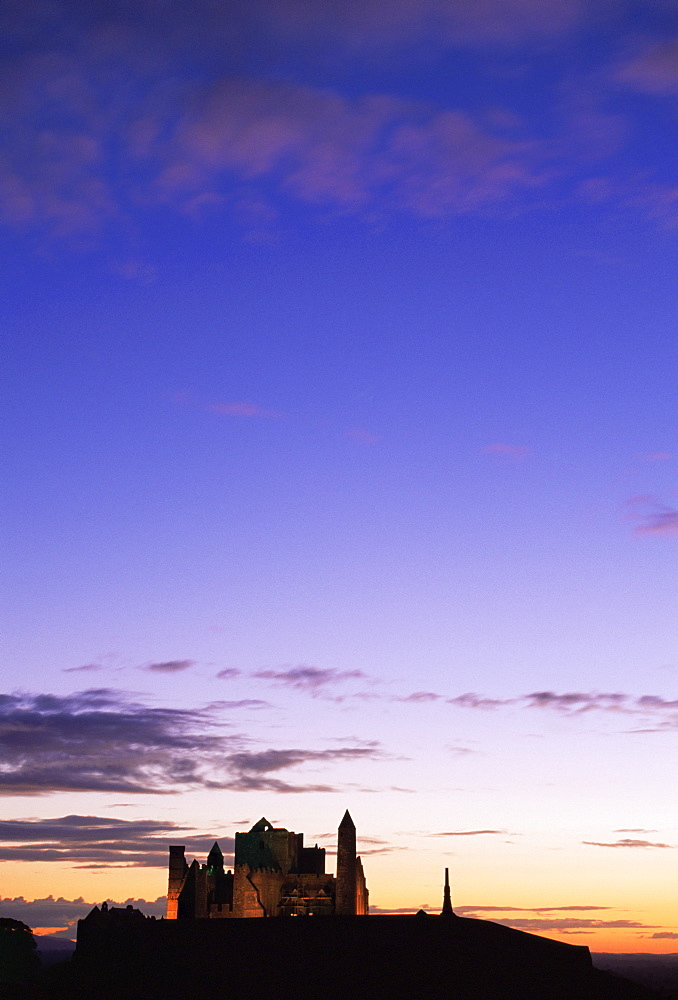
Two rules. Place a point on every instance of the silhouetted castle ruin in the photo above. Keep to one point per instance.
(273, 875)
(123, 955)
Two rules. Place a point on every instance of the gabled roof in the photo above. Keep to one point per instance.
(261, 826)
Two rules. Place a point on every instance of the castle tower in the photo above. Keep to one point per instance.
(178, 870)
(345, 899)
(215, 861)
(447, 910)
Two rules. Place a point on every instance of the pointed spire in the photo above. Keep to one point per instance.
(447, 910)
(215, 860)
(347, 821)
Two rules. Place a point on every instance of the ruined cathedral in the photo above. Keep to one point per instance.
(273, 875)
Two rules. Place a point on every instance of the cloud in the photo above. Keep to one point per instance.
(662, 522)
(630, 829)
(198, 147)
(251, 771)
(87, 667)
(651, 516)
(314, 680)
(527, 909)
(653, 71)
(98, 841)
(465, 833)
(170, 666)
(99, 740)
(228, 674)
(238, 703)
(568, 924)
(459, 751)
(672, 935)
(108, 116)
(420, 697)
(627, 842)
(552, 924)
(655, 702)
(576, 701)
(561, 924)
(512, 451)
(471, 700)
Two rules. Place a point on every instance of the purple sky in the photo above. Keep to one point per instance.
(339, 453)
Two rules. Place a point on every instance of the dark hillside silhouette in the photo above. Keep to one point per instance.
(394, 958)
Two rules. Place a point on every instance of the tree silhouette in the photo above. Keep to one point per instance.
(18, 951)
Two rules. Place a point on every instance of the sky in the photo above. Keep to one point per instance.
(339, 453)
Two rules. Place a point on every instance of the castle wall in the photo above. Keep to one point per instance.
(362, 907)
(246, 901)
(269, 886)
(177, 873)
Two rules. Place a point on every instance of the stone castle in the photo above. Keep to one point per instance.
(273, 875)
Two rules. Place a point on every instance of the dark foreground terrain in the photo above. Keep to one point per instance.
(376, 958)
(657, 972)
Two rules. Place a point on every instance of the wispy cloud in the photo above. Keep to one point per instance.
(654, 70)
(169, 666)
(314, 680)
(556, 923)
(466, 833)
(252, 771)
(228, 674)
(576, 703)
(421, 697)
(636, 829)
(565, 925)
(528, 909)
(627, 842)
(651, 517)
(85, 668)
(472, 700)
